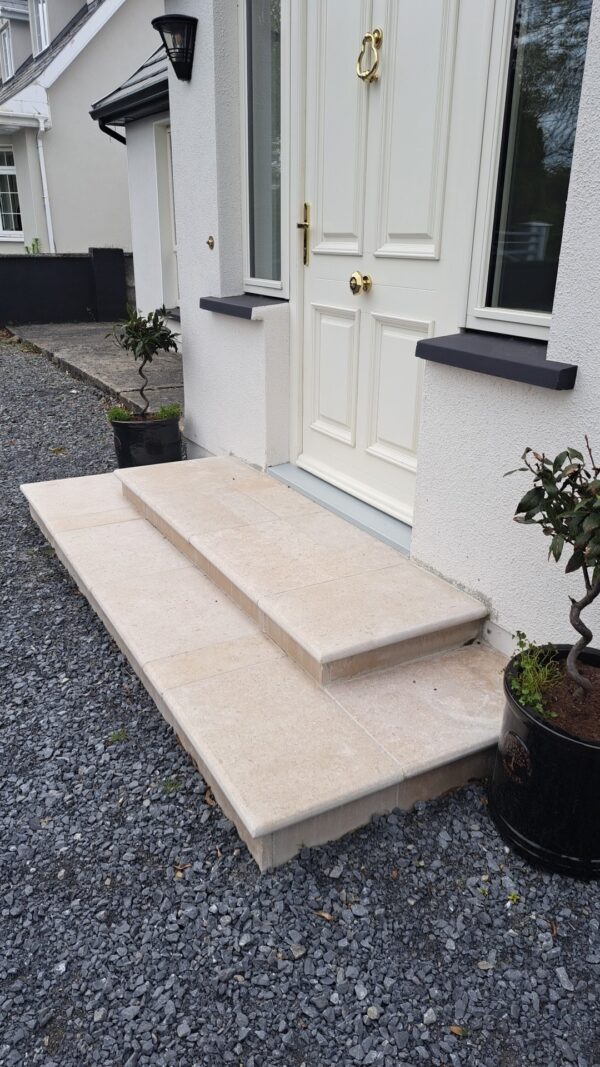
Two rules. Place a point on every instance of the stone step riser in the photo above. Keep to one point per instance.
(408, 650)
(292, 762)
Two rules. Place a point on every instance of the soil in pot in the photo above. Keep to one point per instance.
(569, 712)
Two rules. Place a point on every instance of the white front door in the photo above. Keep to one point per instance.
(391, 176)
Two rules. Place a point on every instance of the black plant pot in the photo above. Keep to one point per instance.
(144, 441)
(545, 790)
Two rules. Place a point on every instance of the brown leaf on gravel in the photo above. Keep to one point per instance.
(458, 1031)
(180, 869)
(394, 874)
(324, 915)
(553, 927)
(209, 797)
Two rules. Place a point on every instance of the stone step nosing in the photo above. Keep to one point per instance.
(320, 667)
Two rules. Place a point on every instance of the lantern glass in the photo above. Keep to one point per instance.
(179, 36)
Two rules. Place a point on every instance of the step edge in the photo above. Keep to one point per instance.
(257, 607)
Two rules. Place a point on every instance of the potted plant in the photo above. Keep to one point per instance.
(145, 438)
(545, 789)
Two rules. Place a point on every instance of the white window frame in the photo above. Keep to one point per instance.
(266, 286)
(40, 31)
(10, 235)
(7, 62)
(479, 317)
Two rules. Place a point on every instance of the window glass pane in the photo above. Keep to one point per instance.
(10, 211)
(6, 157)
(547, 60)
(264, 137)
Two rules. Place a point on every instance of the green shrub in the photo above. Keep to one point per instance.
(565, 503)
(144, 336)
(537, 673)
(168, 411)
(119, 414)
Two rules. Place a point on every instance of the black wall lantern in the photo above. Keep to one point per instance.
(179, 36)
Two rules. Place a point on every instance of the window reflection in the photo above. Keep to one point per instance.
(264, 137)
(547, 60)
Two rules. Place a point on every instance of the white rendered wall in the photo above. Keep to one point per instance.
(144, 208)
(87, 170)
(236, 372)
(475, 428)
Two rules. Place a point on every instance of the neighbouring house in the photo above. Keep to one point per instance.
(63, 189)
(140, 106)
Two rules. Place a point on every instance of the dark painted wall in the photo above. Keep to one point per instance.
(63, 288)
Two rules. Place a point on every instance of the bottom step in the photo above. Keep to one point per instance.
(290, 763)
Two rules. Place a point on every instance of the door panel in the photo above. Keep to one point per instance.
(395, 387)
(341, 120)
(391, 177)
(335, 348)
(420, 45)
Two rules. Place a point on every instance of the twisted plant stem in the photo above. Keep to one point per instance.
(578, 624)
(143, 394)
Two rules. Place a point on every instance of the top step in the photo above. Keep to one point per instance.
(337, 600)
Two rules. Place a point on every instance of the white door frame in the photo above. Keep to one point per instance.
(297, 142)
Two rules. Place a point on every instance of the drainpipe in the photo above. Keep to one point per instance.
(45, 197)
(111, 133)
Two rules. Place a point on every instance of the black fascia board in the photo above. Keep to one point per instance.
(151, 100)
(517, 359)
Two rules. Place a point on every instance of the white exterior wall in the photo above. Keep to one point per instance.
(145, 219)
(87, 170)
(475, 428)
(236, 372)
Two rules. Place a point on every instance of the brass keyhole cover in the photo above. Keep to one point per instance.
(360, 283)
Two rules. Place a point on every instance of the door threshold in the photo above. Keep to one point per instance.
(392, 531)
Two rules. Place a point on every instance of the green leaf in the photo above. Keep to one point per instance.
(560, 459)
(531, 501)
(576, 562)
(591, 522)
(556, 546)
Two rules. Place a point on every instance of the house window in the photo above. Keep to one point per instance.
(38, 17)
(263, 144)
(7, 66)
(545, 57)
(11, 225)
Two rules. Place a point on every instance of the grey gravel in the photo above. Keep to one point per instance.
(135, 930)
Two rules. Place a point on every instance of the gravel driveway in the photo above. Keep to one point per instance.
(135, 929)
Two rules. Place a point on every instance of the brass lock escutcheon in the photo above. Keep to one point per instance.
(360, 283)
(373, 42)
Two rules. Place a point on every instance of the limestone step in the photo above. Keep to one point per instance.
(291, 763)
(333, 597)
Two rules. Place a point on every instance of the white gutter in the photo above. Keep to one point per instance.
(46, 199)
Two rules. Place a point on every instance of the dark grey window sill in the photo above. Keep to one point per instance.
(243, 306)
(515, 358)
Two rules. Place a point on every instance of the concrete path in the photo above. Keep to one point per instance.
(84, 350)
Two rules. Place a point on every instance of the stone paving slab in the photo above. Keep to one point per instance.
(84, 350)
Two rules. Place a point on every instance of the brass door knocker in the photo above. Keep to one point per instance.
(373, 41)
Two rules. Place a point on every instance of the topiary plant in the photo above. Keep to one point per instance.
(565, 502)
(144, 336)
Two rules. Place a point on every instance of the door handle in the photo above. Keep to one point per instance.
(305, 227)
(360, 283)
(373, 41)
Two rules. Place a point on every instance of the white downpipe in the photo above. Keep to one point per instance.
(45, 197)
